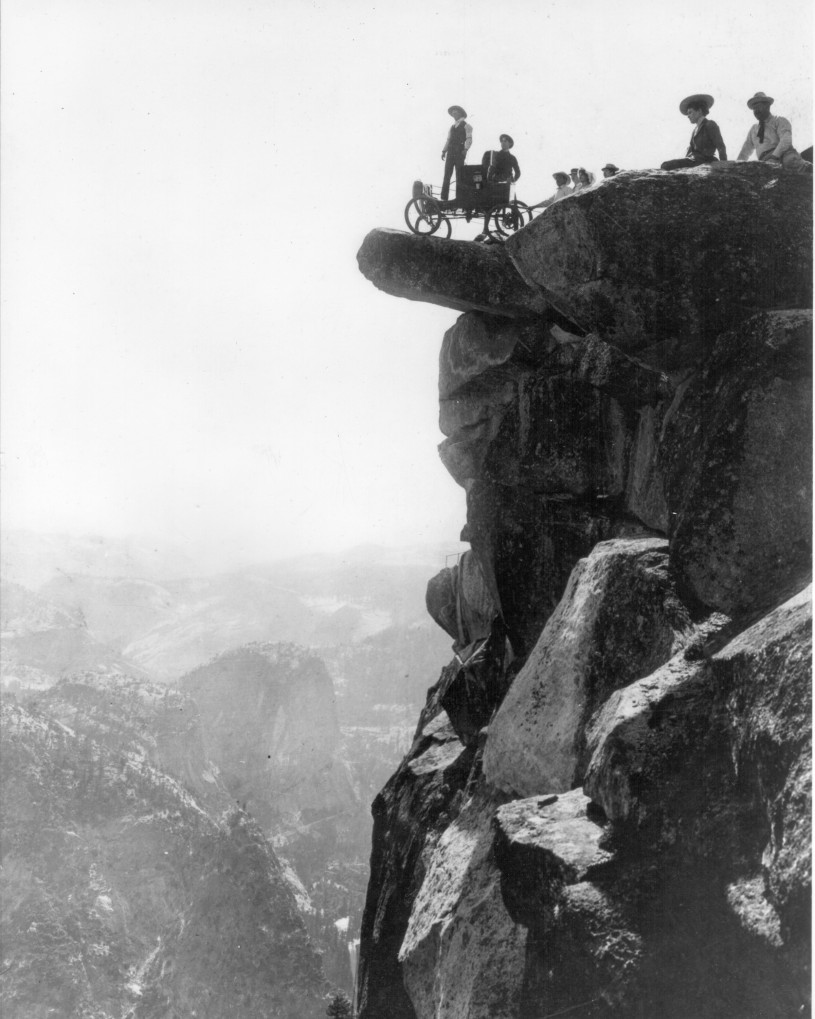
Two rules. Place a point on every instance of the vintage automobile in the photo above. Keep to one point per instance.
(427, 213)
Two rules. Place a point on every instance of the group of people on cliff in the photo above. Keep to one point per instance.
(770, 139)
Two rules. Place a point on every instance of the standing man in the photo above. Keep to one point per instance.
(501, 165)
(459, 139)
(771, 137)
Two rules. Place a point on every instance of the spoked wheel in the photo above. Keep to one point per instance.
(504, 220)
(424, 216)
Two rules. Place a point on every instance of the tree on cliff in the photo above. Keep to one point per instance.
(339, 1007)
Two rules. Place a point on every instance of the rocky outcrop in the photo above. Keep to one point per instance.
(454, 274)
(729, 240)
(612, 816)
(619, 618)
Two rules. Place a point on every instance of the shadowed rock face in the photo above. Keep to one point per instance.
(741, 486)
(638, 485)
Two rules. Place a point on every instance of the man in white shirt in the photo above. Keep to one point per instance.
(563, 189)
(771, 137)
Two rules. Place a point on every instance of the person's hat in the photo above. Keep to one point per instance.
(574, 169)
(610, 166)
(560, 174)
(695, 100)
(760, 97)
(508, 137)
(458, 112)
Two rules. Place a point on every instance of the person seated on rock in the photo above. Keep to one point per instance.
(706, 139)
(563, 189)
(609, 170)
(585, 180)
(573, 175)
(771, 138)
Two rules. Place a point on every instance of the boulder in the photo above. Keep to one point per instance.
(619, 619)
(418, 802)
(543, 843)
(453, 274)
(709, 740)
(667, 260)
(768, 704)
(583, 946)
(737, 466)
(463, 954)
(479, 348)
(459, 599)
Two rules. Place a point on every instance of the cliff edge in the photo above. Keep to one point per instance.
(606, 808)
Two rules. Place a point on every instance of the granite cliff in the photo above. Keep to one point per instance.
(605, 811)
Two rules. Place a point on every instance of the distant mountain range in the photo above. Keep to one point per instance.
(250, 716)
(163, 627)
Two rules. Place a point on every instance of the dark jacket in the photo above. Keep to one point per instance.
(504, 165)
(706, 142)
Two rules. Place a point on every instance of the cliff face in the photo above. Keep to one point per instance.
(605, 810)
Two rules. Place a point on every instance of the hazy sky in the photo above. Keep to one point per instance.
(189, 349)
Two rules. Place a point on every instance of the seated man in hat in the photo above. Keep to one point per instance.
(609, 170)
(459, 139)
(563, 189)
(771, 137)
(706, 139)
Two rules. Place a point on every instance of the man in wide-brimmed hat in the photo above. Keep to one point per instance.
(706, 140)
(563, 190)
(459, 139)
(609, 170)
(500, 165)
(771, 137)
